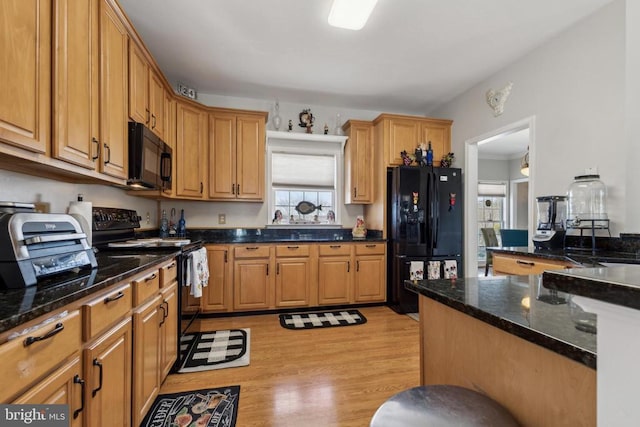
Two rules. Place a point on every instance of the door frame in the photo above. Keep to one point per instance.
(471, 186)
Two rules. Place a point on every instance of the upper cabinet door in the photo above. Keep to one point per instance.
(138, 86)
(403, 136)
(75, 84)
(156, 105)
(359, 161)
(191, 150)
(250, 143)
(438, 132)
(113, 93)
(25, 77)
(222, 156)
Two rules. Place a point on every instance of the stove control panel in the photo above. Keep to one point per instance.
(114, 219)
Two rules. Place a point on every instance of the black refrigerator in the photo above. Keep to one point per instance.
(424, 226)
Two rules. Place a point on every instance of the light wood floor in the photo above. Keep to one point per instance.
(318, 377)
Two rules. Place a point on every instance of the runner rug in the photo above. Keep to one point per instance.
(204, 351)
(322, 320)
(216, 407)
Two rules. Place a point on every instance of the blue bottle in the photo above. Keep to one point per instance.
(182, 225)
(429, 155)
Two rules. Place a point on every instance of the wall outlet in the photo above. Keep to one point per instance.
(222, 218)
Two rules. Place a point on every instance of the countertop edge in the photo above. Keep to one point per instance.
(558, 346)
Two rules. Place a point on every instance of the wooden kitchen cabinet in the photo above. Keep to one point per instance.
(405, 133)
(38, 351)
(334, 274)
(113, 93)
(252, 278)
(146, 92)
(76, 59)
(25, 104)
(191, 150)
(358, 161)
(293, 276)
(511, 264)
(370, 274)
(168, 329)
(236, 155)
(108, 367)
(218, 295)
(62, 387)
(146, 357)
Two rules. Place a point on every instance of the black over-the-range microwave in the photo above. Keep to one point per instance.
(149, 159)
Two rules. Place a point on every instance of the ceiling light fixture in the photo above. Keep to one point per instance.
(350, 14)
(524, 164)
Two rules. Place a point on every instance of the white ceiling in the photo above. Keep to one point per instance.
(410, 57)
(506, 147)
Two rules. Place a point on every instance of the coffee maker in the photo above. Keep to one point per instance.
(552, 215)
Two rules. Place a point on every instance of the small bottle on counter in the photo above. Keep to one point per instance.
(182, 225)
(429, 155)
(164, 225)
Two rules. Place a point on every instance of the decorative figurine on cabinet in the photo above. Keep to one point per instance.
(359, 230)
(406, 159)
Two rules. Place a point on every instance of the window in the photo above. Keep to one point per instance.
(304, 172)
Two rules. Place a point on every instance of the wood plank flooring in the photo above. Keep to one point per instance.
(318, 377)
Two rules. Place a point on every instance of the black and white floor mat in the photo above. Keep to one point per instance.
(215, 350)
(322, 320)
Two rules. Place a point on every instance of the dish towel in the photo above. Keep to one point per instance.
(416, 270)
(451, 269)
(434, 270)
(197, 272)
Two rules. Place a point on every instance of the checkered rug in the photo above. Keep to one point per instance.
(215, 350)
(322, 320)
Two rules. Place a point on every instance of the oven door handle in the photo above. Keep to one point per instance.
(46, 238)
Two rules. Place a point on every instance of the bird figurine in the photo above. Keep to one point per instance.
(497, 98)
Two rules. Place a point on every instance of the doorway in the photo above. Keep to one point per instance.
(479, 152)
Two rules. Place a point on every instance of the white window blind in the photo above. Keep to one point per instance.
(303, 170)
(492, 189)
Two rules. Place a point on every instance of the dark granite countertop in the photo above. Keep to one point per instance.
(616, 284)
(18, 306)
(280, 235)
(500, 301)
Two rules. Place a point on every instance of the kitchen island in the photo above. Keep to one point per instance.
(493, 335)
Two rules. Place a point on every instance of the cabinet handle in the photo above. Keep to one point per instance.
(97, 363)
(201, 187)
(153, 121)
(150, 278)
(527, 263)
(233, 189)
(167, 304)
(335, 246)
(78, 380)
(357, 266)
(277, 269)
(348, 266)
(251, 248)
(225, 256)
(170, 266)
(148, 112)
(355, 192)
(237, 189)
(293, 247)
(30, 340)
(106, 146)
(164, 314)
(95, 141)
(370, 246)
(116, 297)
(267, 269)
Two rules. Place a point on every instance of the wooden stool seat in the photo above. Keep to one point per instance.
(441, 405)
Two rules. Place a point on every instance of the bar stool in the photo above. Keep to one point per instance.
(441, 405)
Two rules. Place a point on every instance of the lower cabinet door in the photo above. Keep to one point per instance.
(64, 386)
(146, 357)
(334, 280)
(168, 330)
(252, 284)
(370, 279)
(293, 282)
(107, 364)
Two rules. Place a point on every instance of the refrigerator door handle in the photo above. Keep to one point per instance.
(436, 216)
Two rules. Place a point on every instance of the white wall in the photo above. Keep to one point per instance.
(574, 87)
(493, 170)
(17, 187)
(632, 117)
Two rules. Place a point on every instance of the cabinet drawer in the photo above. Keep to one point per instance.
(102, 311)
(251, 251)
(519, 265)
(370, 249)
(37, 352)
(329, 250)
(292, 250)
(168, 273)
(145, 286)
